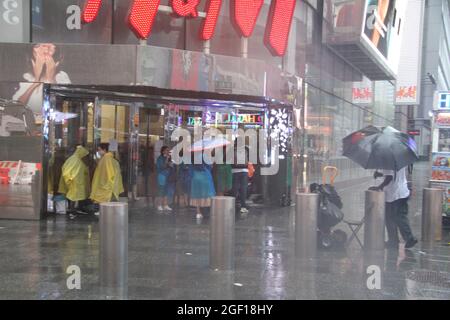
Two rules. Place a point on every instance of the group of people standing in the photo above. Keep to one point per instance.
(75, 183)
(190, 184)
(199, 182)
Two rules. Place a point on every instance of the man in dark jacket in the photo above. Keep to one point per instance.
(240, 179)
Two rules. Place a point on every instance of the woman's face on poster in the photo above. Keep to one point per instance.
(46, 49)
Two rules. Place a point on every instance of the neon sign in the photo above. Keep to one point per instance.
(194, 121)
(244, 15)
(226, 119)
(239, 118)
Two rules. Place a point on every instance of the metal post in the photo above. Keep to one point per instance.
(244, 47)
(306, 212)
(374, 220)
(113, 244)
(207, 47)
(221, 247)
(36, 195)
(432, 214)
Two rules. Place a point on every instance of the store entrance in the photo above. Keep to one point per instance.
(136, 127)
(133, 130)
(113, 126)
(149, 127)
(71, 124)
(88, 122)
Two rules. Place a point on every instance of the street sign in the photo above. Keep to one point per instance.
(414, 132)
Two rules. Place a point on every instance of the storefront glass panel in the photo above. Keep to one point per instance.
(151, 133)
(114, 128)
(136, 131)
(21, 149)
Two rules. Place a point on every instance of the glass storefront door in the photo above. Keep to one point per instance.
(89, 121)
(150, 121)
(71, 124)
(136, 130)
(113, 125)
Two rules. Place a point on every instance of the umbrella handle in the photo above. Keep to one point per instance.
(332, 176)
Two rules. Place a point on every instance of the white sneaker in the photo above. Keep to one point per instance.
(167, 208)
(97, 213)
(244, 210)
(199, 216)
(160, 208)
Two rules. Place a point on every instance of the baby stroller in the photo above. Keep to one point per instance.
(330, 214)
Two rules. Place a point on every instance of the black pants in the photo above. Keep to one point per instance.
(397, 220)
(240, 185)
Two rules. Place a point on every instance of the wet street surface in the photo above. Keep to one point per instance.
(169, 258)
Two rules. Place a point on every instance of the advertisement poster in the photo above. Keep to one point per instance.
(378, 28)
(384, 29)
(362, 92)
(65, 64)
(446, 197)
(440, 169)
(444, 140)
(442, 119)
(343, 20)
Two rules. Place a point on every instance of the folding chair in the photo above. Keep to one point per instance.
(354, 226)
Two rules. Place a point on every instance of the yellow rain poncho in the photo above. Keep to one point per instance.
(74, 181)
(107, 182)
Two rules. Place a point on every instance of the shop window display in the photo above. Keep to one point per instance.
(20, 155)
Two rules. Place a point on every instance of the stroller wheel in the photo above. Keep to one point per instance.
(340, 237)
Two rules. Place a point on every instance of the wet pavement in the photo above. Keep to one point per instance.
(169, 257)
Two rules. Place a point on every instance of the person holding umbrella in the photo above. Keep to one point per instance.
(165, 168)
(396, 192)
(202, 186)
(391, 151)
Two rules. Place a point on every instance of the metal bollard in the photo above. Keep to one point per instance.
(221, 245)
(432, 214)
(374, 220)
(114, 244)
(306, 212)
(36, 195)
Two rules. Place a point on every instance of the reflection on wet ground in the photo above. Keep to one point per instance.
(168, 259)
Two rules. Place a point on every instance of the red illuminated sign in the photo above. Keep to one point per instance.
(91, 10)
(212, 15)
(185, 8)
(278, 26)
(142, 16)
(244, 14)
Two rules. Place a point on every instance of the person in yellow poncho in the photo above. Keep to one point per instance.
(74, 181)
(107, 182)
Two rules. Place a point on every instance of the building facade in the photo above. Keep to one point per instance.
(332, 75)
(435, 68)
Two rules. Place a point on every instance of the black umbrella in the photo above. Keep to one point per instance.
(380, 148)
